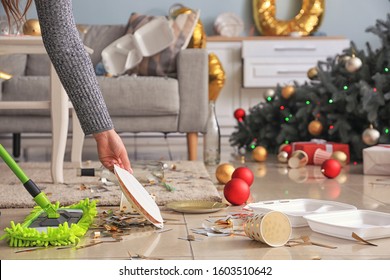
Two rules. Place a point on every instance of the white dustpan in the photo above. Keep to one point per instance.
(127, 52)
(139, 198)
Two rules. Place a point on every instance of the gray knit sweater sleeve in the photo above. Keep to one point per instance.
(73, 64)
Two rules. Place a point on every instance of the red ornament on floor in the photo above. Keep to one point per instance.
(236, 191)
(286, 148)
(331, 168)
(245, 174)
(239, 114)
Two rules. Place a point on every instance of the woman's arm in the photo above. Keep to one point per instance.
(73, 64)
(75, 70)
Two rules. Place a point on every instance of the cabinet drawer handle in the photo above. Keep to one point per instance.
(299, 49)
(290, 72)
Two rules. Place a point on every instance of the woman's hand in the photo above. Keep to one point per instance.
(111, 150)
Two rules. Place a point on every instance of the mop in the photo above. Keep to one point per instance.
(48, 224)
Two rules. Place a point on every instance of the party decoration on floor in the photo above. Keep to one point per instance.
(286, 148)
(260, 154)
(315, 127)
(288, 91)
(307, 21)
(245, 174)
(340, 157)
(331, 168)
(224, 172)
(298, 159)
(239, 114)
(283, 157)
(272, 228)
(32, 27)
(216, 76)
(370, 136)
(236, 191)
(320, 156)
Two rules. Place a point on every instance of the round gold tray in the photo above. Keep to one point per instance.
(196, 206)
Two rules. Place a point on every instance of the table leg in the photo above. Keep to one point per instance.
(77, 140)
(60, 122)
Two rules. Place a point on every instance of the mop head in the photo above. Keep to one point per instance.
(21, 235)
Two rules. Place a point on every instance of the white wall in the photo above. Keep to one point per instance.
(347, 18)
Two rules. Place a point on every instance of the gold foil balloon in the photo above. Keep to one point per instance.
(32, 27)
(224, 172)
(198, 40)
(305, 22)
(216, 76)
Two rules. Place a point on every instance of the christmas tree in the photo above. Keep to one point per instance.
(347, 100)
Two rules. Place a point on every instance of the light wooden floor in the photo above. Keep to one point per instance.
(273, 181)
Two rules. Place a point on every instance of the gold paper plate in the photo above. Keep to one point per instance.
(196, 206)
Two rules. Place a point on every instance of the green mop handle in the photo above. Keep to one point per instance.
(39, 197)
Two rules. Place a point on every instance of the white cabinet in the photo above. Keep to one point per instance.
(270, 61)
(254, 64)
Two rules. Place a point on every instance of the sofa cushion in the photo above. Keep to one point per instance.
(97, 37)
(14, 64)
(140, 96)
(164, 62)
(38, 65)
(26, 88)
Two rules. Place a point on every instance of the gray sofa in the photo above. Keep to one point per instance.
(136, 103)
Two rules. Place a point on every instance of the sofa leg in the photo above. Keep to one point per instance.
(192, 145)
(16, 146)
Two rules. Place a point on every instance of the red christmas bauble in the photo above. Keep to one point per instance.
(331, 168)
(245, 174)
(236, 191)
(239, 114)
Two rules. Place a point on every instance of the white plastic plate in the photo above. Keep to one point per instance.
(139, 197)
(365, 223)
(295, 209)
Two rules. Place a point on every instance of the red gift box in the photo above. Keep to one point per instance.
(310, 147)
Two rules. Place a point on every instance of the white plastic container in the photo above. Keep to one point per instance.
(127, 52)
(365, 223)
(296, 209)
